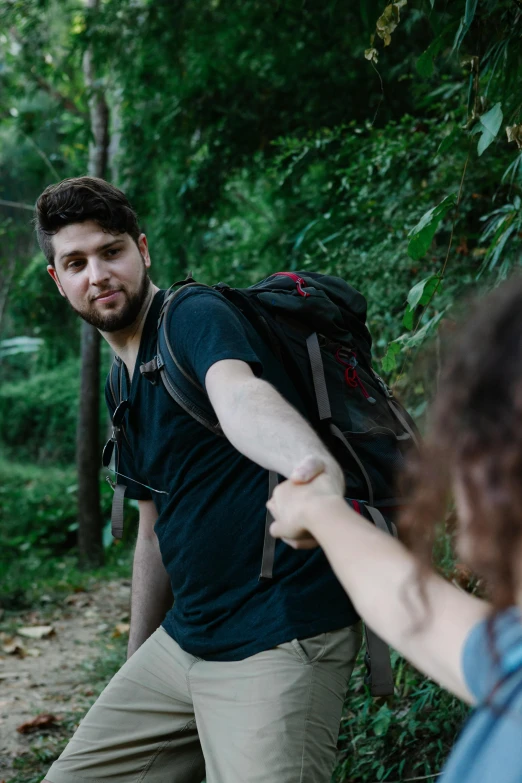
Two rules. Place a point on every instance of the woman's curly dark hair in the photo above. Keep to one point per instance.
(475, 437)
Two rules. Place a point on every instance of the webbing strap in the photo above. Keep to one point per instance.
(117, 510)
(379, 664)
(398, 415)
(321, 390)
(267, 561)
(339, 435)
(381, 673)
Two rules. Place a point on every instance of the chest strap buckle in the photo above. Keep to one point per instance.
(150, 370)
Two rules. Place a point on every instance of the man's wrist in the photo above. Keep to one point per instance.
(333, 469)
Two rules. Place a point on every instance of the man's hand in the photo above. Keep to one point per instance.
(292, 502)
(311, 467)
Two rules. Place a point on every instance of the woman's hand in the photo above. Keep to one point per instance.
(295, 507)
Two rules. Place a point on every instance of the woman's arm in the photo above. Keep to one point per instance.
(379, 575)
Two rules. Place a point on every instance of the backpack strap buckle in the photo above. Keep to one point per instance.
(150, 370)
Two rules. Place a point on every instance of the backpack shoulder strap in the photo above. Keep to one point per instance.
(178, 383)
(190, 396)
(115, 380)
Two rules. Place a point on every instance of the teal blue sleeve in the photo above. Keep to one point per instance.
(492, 650)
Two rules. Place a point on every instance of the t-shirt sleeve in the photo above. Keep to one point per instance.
(127, 474)
(492, 650)
(204, 329)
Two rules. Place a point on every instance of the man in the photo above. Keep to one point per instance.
(242, 679)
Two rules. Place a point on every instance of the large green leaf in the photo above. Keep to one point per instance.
(424, 64)
(489, 126)
(420, 294)
(448, 141)
(465, 22)
(389, 362)
(407, 318)
(422, 234)
(414, 340)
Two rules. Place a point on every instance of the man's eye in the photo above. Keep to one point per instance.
(113, 251)
(75, 264)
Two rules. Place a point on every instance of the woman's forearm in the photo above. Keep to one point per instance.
(379, 575)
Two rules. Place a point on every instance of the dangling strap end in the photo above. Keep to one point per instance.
(267, 562)
(117, 510)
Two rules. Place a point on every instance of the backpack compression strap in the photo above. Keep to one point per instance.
(115, 386)
(380, 671)
(267, 561)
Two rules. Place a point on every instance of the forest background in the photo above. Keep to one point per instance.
(381, 143)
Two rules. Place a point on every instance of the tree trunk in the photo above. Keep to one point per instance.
(90, 520)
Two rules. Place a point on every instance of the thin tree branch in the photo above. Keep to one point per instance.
(16, 205)
(42, 154)
(66, 102)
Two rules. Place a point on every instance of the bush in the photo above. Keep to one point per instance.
(38, 415)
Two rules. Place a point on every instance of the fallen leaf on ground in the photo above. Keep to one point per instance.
(42, 721)
(14, 647)
(78, 599)
(120, 630)
(37, 631)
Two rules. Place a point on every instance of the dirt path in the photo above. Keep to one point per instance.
(40, 676)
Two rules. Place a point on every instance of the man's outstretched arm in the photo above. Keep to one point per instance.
(151, 591)
(264, 427)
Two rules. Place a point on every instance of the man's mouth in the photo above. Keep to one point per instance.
(108, 296)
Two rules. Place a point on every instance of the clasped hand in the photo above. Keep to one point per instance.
(294, 503)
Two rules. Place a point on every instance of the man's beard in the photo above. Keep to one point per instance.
(115, 322)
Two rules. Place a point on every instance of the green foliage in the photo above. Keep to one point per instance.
(420, 294)
(407, 737)
(38, 415)
(38, 507)
(501, 225)
(255, 137)
(421, 235)
(489, 126)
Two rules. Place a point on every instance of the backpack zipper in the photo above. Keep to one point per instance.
(351, 376)
(297, 280)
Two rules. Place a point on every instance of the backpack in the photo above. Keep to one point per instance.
(316, 326)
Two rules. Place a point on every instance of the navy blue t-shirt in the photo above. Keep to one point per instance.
(211, 519)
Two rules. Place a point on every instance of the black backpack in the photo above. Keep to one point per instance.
(316, 326)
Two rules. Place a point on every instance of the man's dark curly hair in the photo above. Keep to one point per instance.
(475, 436)
(79, 199)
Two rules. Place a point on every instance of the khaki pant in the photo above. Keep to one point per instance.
(168, 717)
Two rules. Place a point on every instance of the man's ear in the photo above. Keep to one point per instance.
(52, 272)
(143, 247)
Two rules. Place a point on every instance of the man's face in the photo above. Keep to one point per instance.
(103, 276)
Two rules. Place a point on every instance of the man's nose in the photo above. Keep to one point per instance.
(99, 272)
